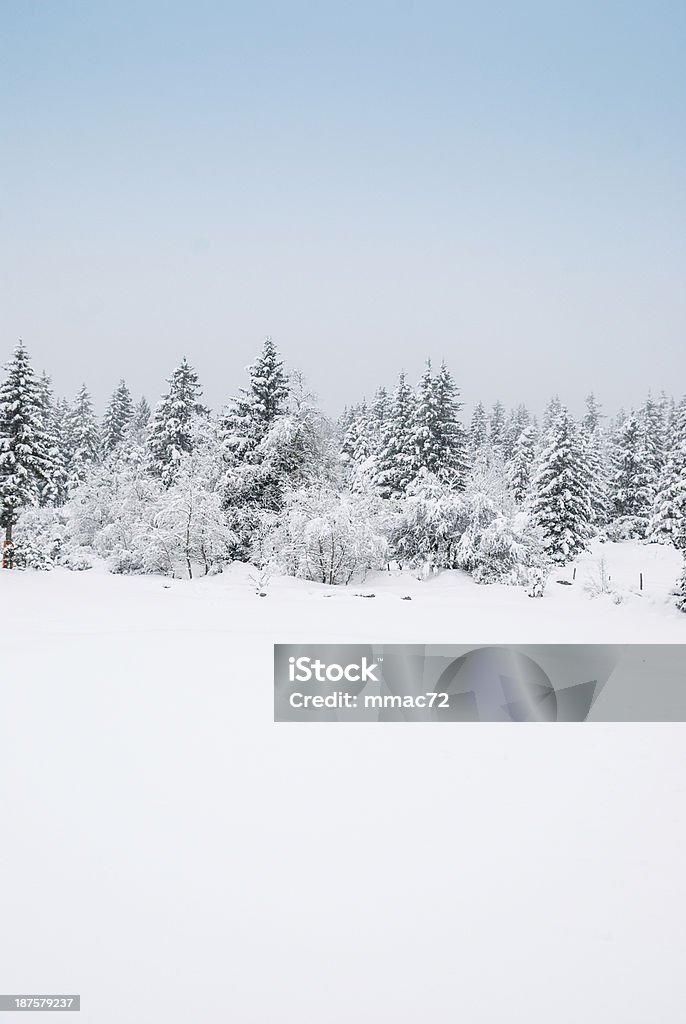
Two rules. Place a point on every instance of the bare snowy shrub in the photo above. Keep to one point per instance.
(598, 581)
(328, 536)
(189, 524)
(41, 534)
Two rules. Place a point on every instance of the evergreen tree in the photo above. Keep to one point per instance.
(633, 479)
(25, 465)
(561, 504)
(378, 417)
(250, 416)
(595, 455)
(497, 424)
(520, 466)
(668, 520)
(118, 418)
(618, 421)
(54, 488)
(551, 413)
(517, 421)
(478, 431)
(141, 414)
(353, 445)
(171, 435)
(83, 441)
(395, 462)
(439, 439)
(593, 415)
(652, 420)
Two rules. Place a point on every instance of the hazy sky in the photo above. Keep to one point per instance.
(502, 185)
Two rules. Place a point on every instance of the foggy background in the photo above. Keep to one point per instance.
(497, 184)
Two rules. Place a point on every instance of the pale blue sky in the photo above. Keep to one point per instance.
(499, 184)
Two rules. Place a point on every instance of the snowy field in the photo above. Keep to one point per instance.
(174, 856)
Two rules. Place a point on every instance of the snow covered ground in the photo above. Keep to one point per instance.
(173, 855)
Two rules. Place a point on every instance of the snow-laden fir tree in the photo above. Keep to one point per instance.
(354, 444)
(551, 413)
(141, 415)
(395, 463)
(478, 431)
(118, 417)
(561, 504)
(668, 519)
(432, 519)
(251, 414)
(632, 485)
(363, 439)
(82, 436)
(498, 542)
(595, 454)
(54, 488)
(593, 415)
(517, 421)
(521, 464)
(669, 413)
(25, 464)
(439, 439)
(378, 413)
(652, 420)
(171, 436)
(496, 429)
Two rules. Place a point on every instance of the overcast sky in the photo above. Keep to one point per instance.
(498, 184)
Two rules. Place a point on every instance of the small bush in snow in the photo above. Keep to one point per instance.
(508, 549)
(40, 534)
(598, 582)
(328, 536)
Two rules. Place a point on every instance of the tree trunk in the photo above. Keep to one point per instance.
(8, 549)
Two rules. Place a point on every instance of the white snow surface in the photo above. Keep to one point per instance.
(173, 855)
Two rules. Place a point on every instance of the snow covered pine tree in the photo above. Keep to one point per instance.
(668, 521)
(117, 418)
(439, 438)
(82, 439)
(561, 503)
(633, 480)
(171, 435)
(246, 424)
(25, 464)
(395, 460)
(250, 416)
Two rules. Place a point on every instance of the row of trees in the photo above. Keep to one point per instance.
(625, 480)
(271, 480)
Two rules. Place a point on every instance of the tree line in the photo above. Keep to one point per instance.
(272, 481)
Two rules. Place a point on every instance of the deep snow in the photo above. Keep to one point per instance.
(173, 855)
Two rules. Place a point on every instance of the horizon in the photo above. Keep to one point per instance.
(576, 408)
